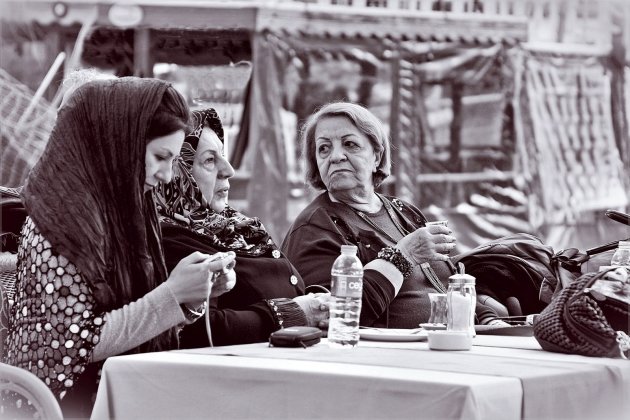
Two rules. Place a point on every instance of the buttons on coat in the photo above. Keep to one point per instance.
(275, 253)
(293, 280)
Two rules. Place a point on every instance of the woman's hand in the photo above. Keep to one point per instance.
(316, 306)
(190, 280)
(428, 243)
(224, 280)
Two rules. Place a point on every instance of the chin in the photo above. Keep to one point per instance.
(340, 186)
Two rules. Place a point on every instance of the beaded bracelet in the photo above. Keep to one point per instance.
(394, 256)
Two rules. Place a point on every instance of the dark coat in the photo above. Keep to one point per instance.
(241, 315)
(313, 243)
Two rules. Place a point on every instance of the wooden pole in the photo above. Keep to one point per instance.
(52, 71)
(142, 56)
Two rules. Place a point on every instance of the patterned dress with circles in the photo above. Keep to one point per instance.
(53, 327)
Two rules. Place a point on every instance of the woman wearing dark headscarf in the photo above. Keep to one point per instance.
(269, 292)
(91, 278)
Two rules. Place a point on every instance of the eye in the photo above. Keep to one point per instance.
(161, 158)
(352, 145)
(323, 149)
(209, 160)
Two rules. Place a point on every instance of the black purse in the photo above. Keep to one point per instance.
(295, 337)
(590, 317)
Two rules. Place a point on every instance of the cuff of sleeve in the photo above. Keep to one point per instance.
(389, 271)
(396, 257)
(171, 301)
(286, 313)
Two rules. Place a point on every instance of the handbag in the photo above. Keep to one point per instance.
(511, 270)
(567, 267)
(590, 317)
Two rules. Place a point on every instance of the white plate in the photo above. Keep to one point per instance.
(393, 334)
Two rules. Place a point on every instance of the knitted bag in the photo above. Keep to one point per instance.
(590, 317)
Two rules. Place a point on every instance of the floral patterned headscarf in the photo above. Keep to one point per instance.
(181, 202)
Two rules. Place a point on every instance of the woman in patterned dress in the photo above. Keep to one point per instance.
(91, 278)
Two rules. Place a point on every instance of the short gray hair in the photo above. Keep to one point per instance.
(365, 121)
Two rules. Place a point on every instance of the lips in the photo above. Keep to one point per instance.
(338, 171)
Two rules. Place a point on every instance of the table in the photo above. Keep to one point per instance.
(499, 378)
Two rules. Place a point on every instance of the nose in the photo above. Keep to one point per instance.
(165, 173)
(226, 170)
(337, 153)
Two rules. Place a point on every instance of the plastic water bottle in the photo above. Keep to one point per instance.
(621, 257)
(346, 290)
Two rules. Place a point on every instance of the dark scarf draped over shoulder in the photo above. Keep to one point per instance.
(86, 192)
(181, 202)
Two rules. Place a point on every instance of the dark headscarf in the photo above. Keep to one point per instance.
(86, 193)
(181, 202)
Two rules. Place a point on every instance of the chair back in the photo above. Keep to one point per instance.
(24, 394)
(4, 319)
(12, 218)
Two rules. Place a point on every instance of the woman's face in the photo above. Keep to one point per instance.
(345, 157)
(159, 157)
(211, 170)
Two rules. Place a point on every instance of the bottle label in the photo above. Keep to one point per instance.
(347, 286)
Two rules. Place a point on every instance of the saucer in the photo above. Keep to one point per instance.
(433, 327)
(393, 334)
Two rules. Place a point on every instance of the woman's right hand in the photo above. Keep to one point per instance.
(429, 243)
(190, 280)
(316, 307)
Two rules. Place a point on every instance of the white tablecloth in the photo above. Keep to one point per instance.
(500, 378)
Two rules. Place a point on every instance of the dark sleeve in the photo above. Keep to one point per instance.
(484, 314)
(313, 250)
(229, 326)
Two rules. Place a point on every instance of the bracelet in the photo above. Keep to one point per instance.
(394, 256)
(193, 314)
(287, 313)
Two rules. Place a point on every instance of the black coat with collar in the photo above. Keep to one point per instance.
(241, 315)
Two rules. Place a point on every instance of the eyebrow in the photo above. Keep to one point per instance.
(214, 152)
(342, 137)
(166, 152)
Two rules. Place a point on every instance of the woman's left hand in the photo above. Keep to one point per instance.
(430, 243)
(316, 307)
(223, 281)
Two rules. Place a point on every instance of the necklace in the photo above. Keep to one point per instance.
(392, 216)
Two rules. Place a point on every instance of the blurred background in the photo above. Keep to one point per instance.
(506, 115)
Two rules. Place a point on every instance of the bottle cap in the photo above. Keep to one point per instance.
(348, 249)
(461, 279)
